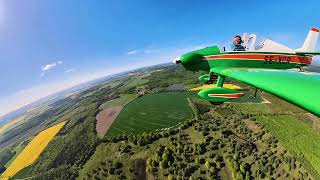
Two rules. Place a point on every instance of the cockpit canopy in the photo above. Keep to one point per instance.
(256, 43)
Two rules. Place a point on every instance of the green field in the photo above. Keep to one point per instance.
(136, 82)
(296, 136)
(152, 112)
(252, 108)
(122, 100)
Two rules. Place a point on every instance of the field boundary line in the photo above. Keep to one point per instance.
(195, 114)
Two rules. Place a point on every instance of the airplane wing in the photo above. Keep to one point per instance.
(299, 88)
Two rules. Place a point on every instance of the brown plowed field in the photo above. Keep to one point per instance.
(105, 119)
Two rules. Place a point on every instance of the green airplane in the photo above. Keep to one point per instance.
(264, 64)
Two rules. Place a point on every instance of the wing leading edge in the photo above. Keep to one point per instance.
(299, 88)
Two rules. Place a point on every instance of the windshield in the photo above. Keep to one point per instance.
(251, 42)
(254, 42)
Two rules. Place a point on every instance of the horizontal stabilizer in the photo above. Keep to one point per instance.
(308, 53)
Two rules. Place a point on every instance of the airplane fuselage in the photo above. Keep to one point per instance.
(210, 57)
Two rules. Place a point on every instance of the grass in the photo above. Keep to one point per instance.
(124, 98)
(252, 108)
(281, 105)
(136, 82)
(152, 112)
(32, 151)
(296, 136)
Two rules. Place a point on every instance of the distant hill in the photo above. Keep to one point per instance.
(59, 95)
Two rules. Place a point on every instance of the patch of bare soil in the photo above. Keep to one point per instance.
(140, 169)
(105, 119)
(252, 125)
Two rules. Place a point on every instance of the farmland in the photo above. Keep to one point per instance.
(296, 136)
(152, 112)
(211, 148)
(105, 119)
(31, 152)
(122, 100)
(157, 134)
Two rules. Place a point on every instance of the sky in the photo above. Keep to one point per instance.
(49, 45)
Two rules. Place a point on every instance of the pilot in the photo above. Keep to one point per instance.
(237, 41)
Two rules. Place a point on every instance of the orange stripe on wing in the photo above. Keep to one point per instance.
(263, 57)
(227, 95)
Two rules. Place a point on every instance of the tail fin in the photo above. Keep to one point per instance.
(310, 43)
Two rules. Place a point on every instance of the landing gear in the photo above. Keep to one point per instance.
(212, 79)
(218, 95)
(220, 81)
(208, 78)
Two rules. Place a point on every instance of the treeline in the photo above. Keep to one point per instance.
(75, 143)
(171, 75)
(227, 143)
(5, 156)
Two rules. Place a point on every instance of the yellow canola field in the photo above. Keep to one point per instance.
(32, 151)
(230, 86)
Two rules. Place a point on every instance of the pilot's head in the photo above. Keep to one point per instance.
(237, 40)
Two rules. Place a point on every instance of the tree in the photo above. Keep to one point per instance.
(213, 170)
(235, 165)
(239, 176)
(207, 164)
(163, 165)
(150, 162)
(247, 176)
(149, 169)
(244, 167)
(2, 169)
(166, 156)
(197, 161)
(218, 164)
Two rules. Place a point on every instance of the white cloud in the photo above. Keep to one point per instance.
(47, 67)
(70, 70)
(132, 52)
